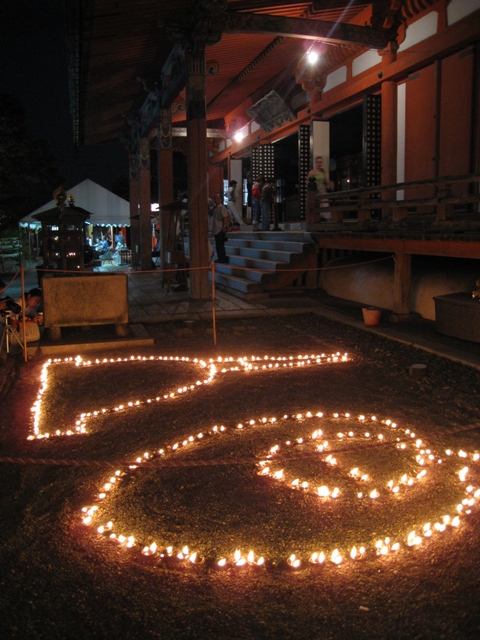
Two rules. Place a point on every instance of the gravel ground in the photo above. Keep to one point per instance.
(61, 579)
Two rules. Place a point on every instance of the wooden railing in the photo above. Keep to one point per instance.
(439, 201)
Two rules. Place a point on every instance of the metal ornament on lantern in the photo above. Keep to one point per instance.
(63, 233)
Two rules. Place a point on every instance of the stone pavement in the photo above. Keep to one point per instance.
(150, 303)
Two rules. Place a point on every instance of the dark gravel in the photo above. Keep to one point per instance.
(61, 580)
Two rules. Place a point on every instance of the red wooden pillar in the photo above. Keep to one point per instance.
(403, 262)
(145, 202)
(215, 180)
(134, 209)
(475, 152)
(197, 174)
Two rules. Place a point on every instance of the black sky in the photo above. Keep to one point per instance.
(33, 66)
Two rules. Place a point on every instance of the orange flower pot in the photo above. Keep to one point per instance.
(371, 316)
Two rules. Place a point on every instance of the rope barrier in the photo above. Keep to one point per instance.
(238, 267)
(214, 462)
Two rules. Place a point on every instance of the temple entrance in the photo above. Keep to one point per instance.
(346, 149)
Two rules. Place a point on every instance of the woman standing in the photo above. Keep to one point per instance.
(256, 195)
(324, 184)
(268, 193)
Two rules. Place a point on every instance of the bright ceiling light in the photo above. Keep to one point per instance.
(238, 136)
(312, 57)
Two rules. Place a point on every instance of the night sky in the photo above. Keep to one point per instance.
(34, 68)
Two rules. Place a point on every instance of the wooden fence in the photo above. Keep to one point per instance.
(443, 201)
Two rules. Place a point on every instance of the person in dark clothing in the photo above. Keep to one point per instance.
(219, 224)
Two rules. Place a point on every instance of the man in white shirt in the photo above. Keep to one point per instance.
(232, 203)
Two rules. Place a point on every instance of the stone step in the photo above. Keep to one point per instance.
(266, 252)
(250, 273)
(254, 259)
(237, 286)
(259, 262)
(275, 236)
(289, 246)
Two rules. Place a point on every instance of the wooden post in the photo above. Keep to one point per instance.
(389, 128)
(364, 214)
(311, 201)
(444, 210)
(311, 280)
(475, 143)
(134, 209)
(401, 285)
(197, 174)
(145, 206)
(399, 214)
(165, 177)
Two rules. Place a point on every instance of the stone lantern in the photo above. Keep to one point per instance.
(63, 234)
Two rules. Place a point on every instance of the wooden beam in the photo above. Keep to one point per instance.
(455, 38)
(336, 32)
(173, 78)
(183, 29)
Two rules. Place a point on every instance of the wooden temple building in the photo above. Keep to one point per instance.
(392, 104)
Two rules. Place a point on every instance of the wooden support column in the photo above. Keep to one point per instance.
(145, 201)
(165, 176)
(401, 286)
(215, 179)
(134, 208)
(389, 127)
(475, 144)
(311, 280)
(197, 173)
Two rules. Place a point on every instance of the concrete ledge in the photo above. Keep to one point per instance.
(85, 300)
(138, 336)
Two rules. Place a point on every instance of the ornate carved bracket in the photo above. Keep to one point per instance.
(311, 79)
(165, 130)
(207, 23)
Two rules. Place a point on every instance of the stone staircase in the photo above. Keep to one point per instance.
(267, 261)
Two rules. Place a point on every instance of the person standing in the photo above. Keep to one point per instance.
(266, 200)
(219, 225)
(323, 183)
(232, 202)
(256, 195)
(30, 318)
(321, 176)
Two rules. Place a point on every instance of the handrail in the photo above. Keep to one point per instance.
(399, 186)
(362, 201)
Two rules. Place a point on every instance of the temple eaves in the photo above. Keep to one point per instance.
(200, 29)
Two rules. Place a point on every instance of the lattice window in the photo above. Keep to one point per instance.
(303, 166)
(372, 138)
(263, 161)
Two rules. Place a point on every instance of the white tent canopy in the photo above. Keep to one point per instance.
(105, 207)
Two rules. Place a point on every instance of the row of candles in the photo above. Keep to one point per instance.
(422, 455)
(212, 367)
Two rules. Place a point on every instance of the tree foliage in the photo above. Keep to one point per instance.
(28, 169)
